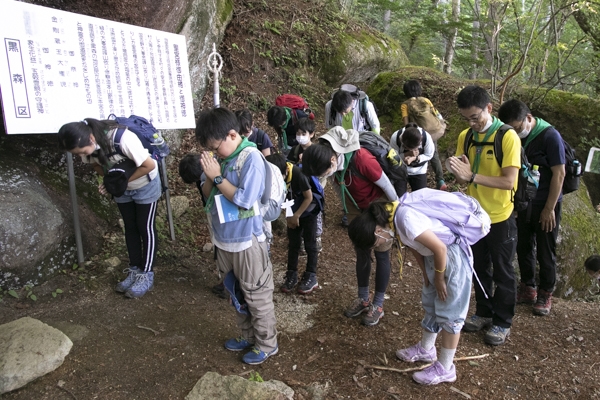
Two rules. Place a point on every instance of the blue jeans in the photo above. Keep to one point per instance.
(145, 195)
(450, 314)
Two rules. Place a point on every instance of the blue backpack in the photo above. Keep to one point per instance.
(150, 137)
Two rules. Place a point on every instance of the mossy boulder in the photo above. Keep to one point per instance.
(578, 239)
(359, 56)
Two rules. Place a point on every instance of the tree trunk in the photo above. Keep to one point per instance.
(475, 39)
(451, 41)
(387, 15)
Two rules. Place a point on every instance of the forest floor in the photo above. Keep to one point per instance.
(157, 347)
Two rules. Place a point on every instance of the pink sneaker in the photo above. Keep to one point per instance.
(417, 353)
(435, 374)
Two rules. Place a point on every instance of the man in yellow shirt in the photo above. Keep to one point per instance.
(492, 185)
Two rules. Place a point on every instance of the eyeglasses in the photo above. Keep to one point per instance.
(520, 128)
(217, 148)
(475, 119)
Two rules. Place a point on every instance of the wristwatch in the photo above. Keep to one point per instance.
(218, 180)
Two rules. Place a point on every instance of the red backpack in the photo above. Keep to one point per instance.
(294, 102)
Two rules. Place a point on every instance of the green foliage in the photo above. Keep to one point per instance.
(274, 26)
(255, 377)
(559, 54)
(56, 292)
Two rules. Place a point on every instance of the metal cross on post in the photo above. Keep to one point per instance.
(215, 63)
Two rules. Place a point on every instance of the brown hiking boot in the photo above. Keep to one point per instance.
(526, 294)
(543, 304)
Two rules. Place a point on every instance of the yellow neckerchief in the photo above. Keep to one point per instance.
(391, 209)
(288, 178)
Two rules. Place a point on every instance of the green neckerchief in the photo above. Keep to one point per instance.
(341, 180)
(496, 123)
(347, 120)
(288, 118)
(540, 125)
(211, 198)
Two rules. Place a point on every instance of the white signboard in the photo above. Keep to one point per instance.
(57, 67)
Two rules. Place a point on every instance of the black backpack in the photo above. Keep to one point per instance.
(390, 161)
(526, 188)
(573, 170)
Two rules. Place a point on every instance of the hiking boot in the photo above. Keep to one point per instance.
(476, 323)
(435, 374)
(373, 315)
(308, 283)
(319, 244)
(144, 282)
(497, 335)
(126, 284)
(219, 290)
(345, 221)
(257, 356)
(417, 353)
(441, 185)
(357, 307)
(543, 304)
(291, 279)
(237, 344)
(526, 294)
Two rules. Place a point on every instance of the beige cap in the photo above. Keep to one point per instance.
(342, 140)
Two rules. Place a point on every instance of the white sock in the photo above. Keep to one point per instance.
(446, 358)
(428, 340)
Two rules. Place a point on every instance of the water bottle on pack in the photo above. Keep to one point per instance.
(160, 144)
(577, 166)
(534, 175)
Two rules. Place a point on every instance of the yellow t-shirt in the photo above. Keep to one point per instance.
(496, 202)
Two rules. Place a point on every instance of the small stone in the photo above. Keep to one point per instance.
(395, 313)
(207, 247)
(294, 367)
(112, 262)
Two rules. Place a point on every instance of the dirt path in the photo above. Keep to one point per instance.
(115, 357)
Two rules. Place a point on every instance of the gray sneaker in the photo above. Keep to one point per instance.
(357, 307)
(497, 335)
(476, 323)
(373, 315)
(126, 284)
(144, 282)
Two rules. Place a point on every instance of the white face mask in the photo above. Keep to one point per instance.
(524, 133)
(389, 232)
(487, 125)
(302, 140)
(332, 170)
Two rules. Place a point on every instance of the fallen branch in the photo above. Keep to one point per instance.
(402, 371)
(149, 329)
(466, 396)
(61, 386)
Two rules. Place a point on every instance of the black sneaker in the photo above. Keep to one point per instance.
(308, 283)
(291, 279)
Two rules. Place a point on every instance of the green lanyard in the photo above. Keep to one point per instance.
(211, 198)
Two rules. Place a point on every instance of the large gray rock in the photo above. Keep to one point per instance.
(29, 349)
(215, 386)
(31, 228)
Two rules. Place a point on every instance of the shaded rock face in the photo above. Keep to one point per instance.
(29, 349)
(577, 239)
(361, 56)
(36, 228)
